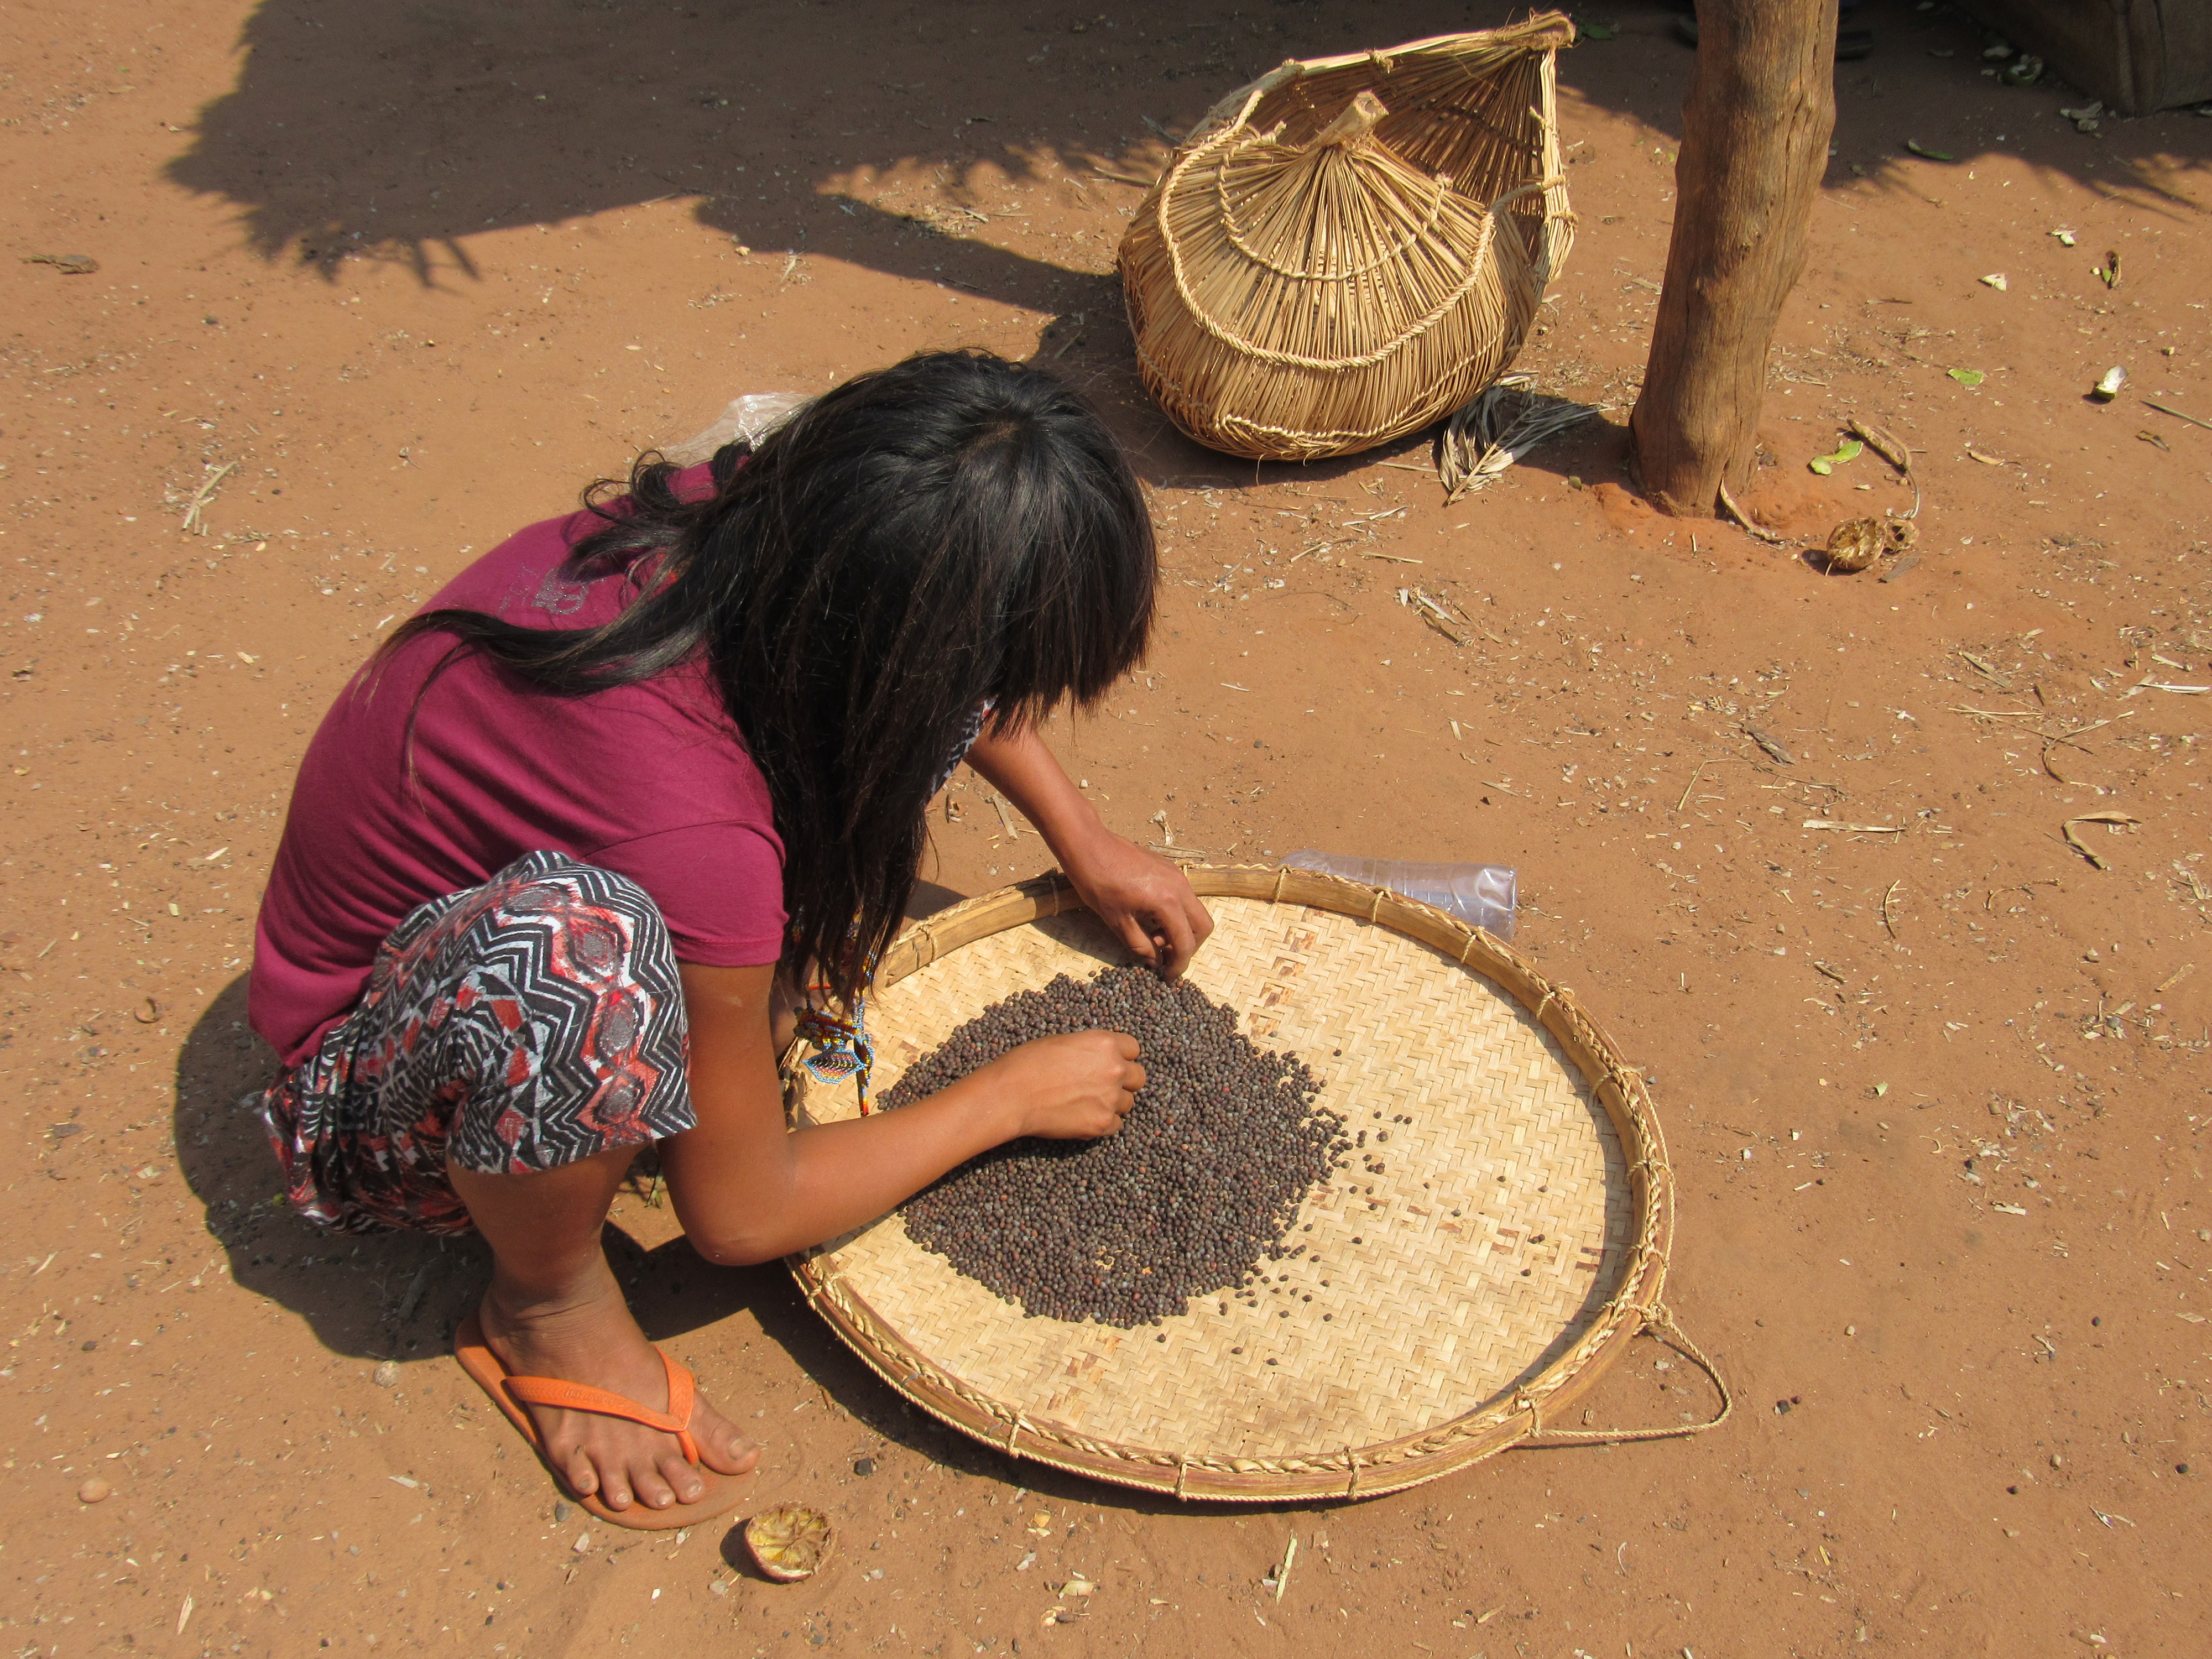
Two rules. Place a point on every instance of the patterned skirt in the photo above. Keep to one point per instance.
(514, 1027)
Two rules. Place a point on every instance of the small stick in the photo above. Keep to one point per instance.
(1886, 926)
(2178, 416)
(1013, 833)
(193, 509)
(1745, 520)
(2164, 986)
(2124, 819)
(1696, 773)
(1282, 1572)
(1394, 558)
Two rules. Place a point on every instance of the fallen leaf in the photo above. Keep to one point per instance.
(1850, 450)
(1967, 376)
(1932, 154)
(1996, 280)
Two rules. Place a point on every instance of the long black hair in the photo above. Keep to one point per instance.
(955, 531)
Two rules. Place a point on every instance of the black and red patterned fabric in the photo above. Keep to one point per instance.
(517, 1026)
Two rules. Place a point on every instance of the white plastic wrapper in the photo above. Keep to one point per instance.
(748, 420)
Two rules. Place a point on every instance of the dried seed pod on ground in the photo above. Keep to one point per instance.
(1856, 543)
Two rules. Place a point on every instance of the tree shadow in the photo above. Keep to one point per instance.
(397, 131)
(914, 142)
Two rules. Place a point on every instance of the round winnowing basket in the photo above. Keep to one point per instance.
(1351, 248)
(1516, 1242)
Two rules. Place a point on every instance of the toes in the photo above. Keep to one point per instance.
(583, 1475)
(728, 1452)
(652, 1490)
(616, 1493)
(682, 1479)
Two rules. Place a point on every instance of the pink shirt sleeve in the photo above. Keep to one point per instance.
(720, 887)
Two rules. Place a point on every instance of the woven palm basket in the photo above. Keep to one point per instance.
(1351, 248)
(1517, 1241)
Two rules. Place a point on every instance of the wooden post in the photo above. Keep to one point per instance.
(1755, 131)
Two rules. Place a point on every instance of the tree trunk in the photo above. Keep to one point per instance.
(1755, 131)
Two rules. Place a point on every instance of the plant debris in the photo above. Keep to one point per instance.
(1856, 543)
(2118, 820)
(790, 1542)
(1502, 423)
(1850, 450)
(1771, 745)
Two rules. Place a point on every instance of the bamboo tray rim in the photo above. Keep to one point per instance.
(1525, 1418)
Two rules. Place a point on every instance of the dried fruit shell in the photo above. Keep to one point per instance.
(1856, 543)
(2109, 384)
(790, 1542)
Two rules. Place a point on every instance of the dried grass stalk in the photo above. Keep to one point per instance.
(1349, 248)
(1506, 420)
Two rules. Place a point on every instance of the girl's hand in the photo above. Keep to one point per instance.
(1067, 1088)
(1146, 901)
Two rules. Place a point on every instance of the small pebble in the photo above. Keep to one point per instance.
(863, 1466)
(583, 1544)
(386, 1374)
(563, 1509)
(93, 1491)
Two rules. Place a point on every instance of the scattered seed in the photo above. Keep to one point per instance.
(1200, 1186)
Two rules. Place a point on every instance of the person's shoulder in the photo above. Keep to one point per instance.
(520, 574)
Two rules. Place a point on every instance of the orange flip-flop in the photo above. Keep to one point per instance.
(512, 1394)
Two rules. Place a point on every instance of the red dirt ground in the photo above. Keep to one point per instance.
(1936, 1093)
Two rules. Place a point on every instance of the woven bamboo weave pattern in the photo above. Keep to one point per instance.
(1431, 1317)
(1351, 248)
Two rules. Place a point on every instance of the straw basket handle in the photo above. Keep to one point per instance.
(1658, 1322)
(1354, 122)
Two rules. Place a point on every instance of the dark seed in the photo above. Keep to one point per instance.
(1199, 1187)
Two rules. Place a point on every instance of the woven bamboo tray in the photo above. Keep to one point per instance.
(1517, 1241)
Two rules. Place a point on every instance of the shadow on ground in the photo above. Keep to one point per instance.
(399, 131)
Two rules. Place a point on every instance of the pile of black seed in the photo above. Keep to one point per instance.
(1203, 1180)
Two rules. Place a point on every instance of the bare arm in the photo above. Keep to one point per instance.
(1144, 899)
(747, 1189)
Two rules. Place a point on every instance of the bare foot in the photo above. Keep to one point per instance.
(591, 1338)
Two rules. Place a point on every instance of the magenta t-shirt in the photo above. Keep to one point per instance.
(649, 780)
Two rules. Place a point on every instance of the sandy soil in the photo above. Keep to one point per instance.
(378, 285)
